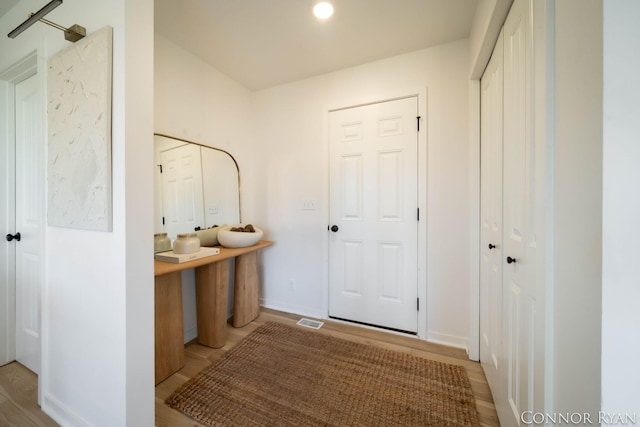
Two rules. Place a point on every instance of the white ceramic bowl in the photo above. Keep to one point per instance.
(238, 239)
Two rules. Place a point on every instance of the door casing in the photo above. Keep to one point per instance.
(28, 66)
(18, 72)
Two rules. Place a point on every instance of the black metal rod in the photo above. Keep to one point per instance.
(34, 17)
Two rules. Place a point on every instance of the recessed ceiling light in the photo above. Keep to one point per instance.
(323, 10)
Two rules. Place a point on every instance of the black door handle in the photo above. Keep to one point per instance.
(510, 260)
(10, 237)
(334, 228)
(491, 246)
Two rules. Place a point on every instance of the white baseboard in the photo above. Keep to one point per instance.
(60, 413)
(294, 309)
(448, 340)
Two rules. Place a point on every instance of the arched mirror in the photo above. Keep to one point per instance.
(196, 186)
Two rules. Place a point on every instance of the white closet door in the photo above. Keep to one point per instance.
(522, 321)
(491, 316)
(511, 309)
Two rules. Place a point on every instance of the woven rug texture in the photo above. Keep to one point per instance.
(287, 376)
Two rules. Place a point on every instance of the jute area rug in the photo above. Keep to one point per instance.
(286, 376)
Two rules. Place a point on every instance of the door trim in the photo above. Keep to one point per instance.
(32, 64)
(474, 220)
(421, 94)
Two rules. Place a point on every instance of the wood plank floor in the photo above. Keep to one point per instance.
(19, 398)
(197, 357)
(18, 385)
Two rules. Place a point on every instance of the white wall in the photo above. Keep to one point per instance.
(621, 201)
(577, 186)
(97, 313)
(277, 137)
(196, 102)
(138, 183)
(294, 166)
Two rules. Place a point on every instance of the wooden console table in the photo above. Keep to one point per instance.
(212, 279)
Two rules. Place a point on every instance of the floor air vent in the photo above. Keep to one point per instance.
(308, 323)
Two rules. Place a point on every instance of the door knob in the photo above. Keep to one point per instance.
(334, 228)
(491, 246)
(10, 237)
(510, 260)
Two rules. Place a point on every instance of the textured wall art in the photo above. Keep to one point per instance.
(79, 134)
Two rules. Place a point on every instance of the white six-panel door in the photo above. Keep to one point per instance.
(373, 209)
(29, 220)
(182, 197)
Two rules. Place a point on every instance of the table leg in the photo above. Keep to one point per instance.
(212, 292)
(246, 305)
(169, 331)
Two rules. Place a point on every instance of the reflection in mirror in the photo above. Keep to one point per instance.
(196, 186)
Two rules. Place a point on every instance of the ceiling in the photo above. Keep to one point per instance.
(6, 5)
(264, 43)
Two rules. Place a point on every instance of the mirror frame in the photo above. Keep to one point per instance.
(213, 148)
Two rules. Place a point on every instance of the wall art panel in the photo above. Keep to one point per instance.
(79, 134)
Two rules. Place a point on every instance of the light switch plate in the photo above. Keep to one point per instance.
(309, 205)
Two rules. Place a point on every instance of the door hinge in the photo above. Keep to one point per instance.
(160, 166)
(418, 214)
(418, 304)
(162, 220)
(418, 117)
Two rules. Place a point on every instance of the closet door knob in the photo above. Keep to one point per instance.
(491, 246)
(10, 237)
(334, 228)
(510, 260)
